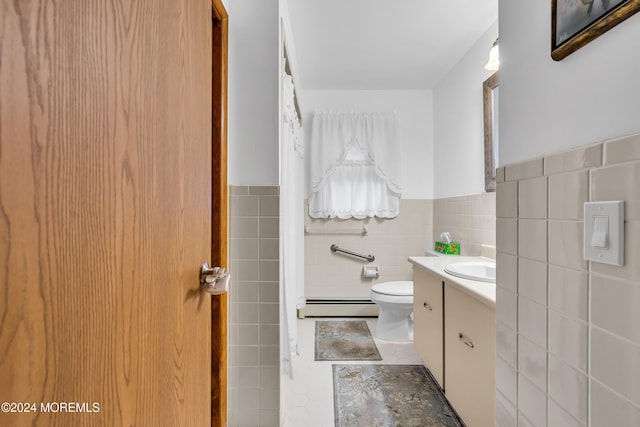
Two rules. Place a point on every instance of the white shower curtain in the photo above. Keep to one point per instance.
(354, 165)
(292, 220)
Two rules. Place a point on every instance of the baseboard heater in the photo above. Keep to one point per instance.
(338, 308)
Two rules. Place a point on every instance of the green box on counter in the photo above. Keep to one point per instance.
(448, 248)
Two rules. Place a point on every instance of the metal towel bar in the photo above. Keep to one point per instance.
(322, 229)
(335, 248)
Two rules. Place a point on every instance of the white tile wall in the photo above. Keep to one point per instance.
(568, 339)
(506, 412)
(523, 421)
(391, 241)
(507, 344)
(532, 280)
(507, 308)
(532, 321)
(620, 182)
(610, 409)
(558, 417)
(532, 362)
(507, 380)
(569, 388)
(254, 362)
(577, 323)
(616, 306)
(532, 239)
(631, 269)
(532, 198)
(586, 157)
(569, 291)
(507, 200)
(507, 271)
(520, 171)
(471, 220)
(507, 235)
(565, 244)
(567, 194)
(622, 149)
(532, 402)
(615, 362)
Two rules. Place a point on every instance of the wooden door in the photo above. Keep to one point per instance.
(105, 212)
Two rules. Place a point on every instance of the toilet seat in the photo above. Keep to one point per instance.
(400, 288)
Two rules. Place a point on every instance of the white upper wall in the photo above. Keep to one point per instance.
(547, 106)
(459, 126)
(415, 116)
(442, 146)
(254, 149)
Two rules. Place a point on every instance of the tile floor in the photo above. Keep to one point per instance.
(308, 397)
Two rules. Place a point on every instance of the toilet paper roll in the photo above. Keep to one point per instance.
(370, 271)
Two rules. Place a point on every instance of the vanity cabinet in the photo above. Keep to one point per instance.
(469, 345)
(455, 336)
(428, 317)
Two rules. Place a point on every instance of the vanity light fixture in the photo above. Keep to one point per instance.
(494, 57)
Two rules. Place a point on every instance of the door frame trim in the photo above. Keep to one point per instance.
(219, 211)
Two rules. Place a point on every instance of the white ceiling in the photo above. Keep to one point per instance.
(384, 44)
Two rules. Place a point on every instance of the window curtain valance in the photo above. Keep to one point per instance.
(333, 134)
(335, 137)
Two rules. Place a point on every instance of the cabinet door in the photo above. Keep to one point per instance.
(428, 316)
(469, 339)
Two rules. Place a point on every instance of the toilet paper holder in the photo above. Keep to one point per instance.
(370, 271)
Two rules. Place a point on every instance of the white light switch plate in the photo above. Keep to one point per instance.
(604, 232)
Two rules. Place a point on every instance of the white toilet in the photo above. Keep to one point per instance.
(395, 300)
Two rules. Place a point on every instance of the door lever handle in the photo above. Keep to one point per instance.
(214, 280)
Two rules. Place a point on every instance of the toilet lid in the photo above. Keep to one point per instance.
(394, 288)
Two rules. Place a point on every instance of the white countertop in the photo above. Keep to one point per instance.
(482, 291)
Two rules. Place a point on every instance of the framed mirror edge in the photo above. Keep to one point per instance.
(488, 87)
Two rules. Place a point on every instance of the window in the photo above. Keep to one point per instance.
(355, 166)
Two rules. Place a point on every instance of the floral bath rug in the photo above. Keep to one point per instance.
(389, 395)
(344, 340)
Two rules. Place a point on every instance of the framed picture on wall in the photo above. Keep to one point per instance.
(575, 23)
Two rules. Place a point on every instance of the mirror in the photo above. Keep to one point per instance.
(490, 107)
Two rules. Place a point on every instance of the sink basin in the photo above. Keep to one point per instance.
(481, 271)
